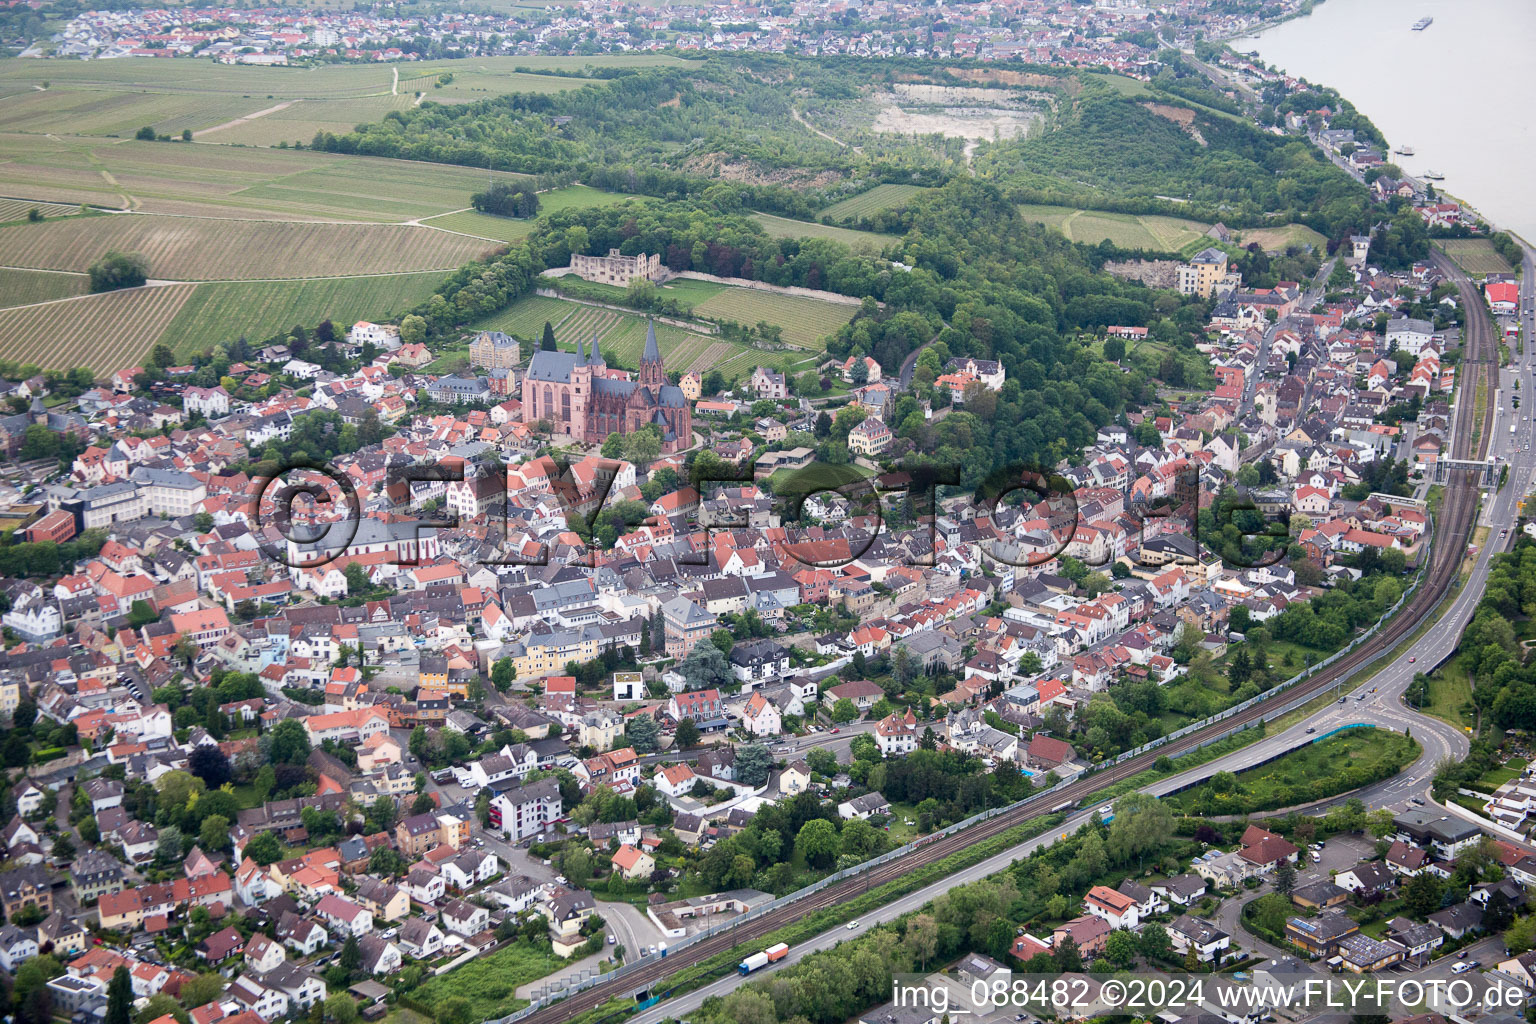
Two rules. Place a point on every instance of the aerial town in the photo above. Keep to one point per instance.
(1038, 31)
(459, 665)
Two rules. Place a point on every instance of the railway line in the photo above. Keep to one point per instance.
(1456, 515)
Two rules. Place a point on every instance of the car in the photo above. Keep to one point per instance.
(611, 939)
(1317, 846)
(1419, 800)
(835, 730)
(1311, 728)
(560, 879)
(1317, 858)
(853, 926)
(1474, 964)
(1461, 968)
(1412, 658)
(1462, 955)
(1343, 699)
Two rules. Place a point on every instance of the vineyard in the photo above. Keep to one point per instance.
(225, 311)
(17, 209)
(96, 112)
(525, 319)
(21, 287)
(859, 241)
(105, 332)
(1475, 255)
(881, 197)
(806, 321)
(228, 181)
(189, 249)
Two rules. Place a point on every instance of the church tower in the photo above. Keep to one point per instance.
(652, 373)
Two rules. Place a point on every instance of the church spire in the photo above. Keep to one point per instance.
(597, 356)
(581, 353)
(652, 373)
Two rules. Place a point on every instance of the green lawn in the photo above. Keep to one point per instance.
(1450, 688)
(489, 982)
(1327, 767)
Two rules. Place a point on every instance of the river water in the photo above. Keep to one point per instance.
(1458, 92)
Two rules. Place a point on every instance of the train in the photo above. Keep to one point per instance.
(772, 955)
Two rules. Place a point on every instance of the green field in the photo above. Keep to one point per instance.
(688, 294)
(622, 335)
(103, 112)
(194, 249)
(783, 227)
(1475, 255)
(1325, 768)
(881, 197)
(228, 181)
(806, 321)
(484, 225)
(490, 982)
(225, 311)
(21, 287)
(511, 229)
(1126, 230)
(1280, 239)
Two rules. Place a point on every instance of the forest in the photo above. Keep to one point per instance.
(1108, 152)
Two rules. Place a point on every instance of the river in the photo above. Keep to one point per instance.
(1456, 92)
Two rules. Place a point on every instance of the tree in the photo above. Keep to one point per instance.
(264, 849)
(1155, 943)
(643, 734)
(705, 668)
(351, 956)
(118, 270)
(210, 764)
(290, 743)
(642, 447)
(502, 674)
(1068, 956)
(168, 846)
(1285, 877)
(358, 581)
(204, 988)
(1423, 895)
(386, 861)
(576, 866)
(1121, 948)
(1114, 349)
(817, 841)
(341, 1008)
(687, 734)
(921, 939)
(214, 834)
(844, 710)
(160, 1005)
(120, 997)
(413, 330)
(752, 764)
(547, 342)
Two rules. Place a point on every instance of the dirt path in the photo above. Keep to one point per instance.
(394, 85)
(812, 128)
(242, 120)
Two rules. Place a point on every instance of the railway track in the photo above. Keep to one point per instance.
(1455, 521)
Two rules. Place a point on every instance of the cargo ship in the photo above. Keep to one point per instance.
(1422, 24)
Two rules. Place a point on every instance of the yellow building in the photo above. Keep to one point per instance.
(10, 696)
(1201, 274)
(691, 385)
(544, 653)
